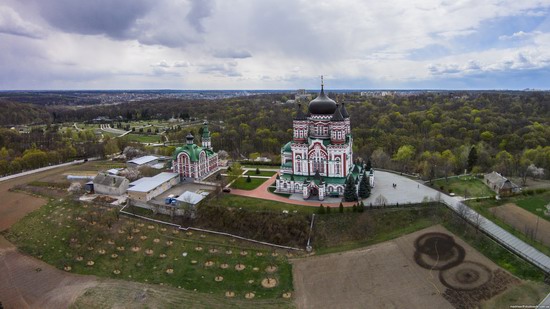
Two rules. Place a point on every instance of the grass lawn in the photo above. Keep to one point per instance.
(482, 206)
(536, 204)
(237, 201)
(495, 252)
(275, 167)
(67, 234)
(472, 186)
(337, 232)
(272, 189)
(241, 183)
(143, 138)
(262, 173)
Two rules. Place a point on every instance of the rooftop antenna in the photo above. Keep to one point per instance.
(322, 83)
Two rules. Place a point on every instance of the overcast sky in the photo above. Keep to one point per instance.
(274, 44)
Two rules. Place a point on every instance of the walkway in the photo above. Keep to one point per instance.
(42, 169)
(499, 234)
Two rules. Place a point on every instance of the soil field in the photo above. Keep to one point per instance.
(15, 205)
(524, 221)
(426, 269)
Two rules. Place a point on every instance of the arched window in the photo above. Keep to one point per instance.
(337, 166)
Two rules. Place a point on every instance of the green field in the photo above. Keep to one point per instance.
(482, 206)
(468, 186)
(250, 203)
(66, 234)
(536, 204)
(143, 138)
(241, 183)
(252, 172)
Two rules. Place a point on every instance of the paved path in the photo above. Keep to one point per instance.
(42, 169)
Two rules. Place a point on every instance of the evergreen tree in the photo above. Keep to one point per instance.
(354, 208)
(341, 208)
(472, 158)
(257, 171)
(361, 207)
(321, 210)
(364, 186)
(248, 179)
(328, 209)
(369, 165)
(350, 191)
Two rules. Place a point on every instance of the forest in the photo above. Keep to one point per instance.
(429, 133)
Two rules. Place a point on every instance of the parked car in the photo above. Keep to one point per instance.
(226, 190)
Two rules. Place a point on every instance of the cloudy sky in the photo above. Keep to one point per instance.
(274, 44)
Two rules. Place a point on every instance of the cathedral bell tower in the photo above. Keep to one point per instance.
(300, 126)
(206, 144)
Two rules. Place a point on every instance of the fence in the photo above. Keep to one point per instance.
(208, 231)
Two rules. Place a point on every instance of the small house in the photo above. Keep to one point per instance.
(500, 184)
(107, 184)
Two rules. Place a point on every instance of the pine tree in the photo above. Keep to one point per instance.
(364, 186)
(361, 207)
(350, 191)
(248, 179)
(321, 210)
(257, 171)
(341, 208)
(328, 209)
(472, 158)
(369, 165)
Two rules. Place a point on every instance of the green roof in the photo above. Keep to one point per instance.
(193, 151)
(286, 147)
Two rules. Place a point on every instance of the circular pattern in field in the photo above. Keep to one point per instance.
(244, 253)
(228, 252)
(240, 267)
(114, 255)
(224, 266)
(466, 276)
(116, 272)
(208, 263)
(156, 240)
(198, 248)
(271, 269)
(259, 254)
(149, 251)
(269, 283)
(249, 295)
(67, 268)
(287, 295)
(143, 237)
(151, 227)
(218, 278)
(136, 249)
(90, 263)
(169, 271)
(169, 243)
(213, 250)
(230, 294)
(438, 251)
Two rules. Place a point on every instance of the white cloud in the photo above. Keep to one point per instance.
(12, 23)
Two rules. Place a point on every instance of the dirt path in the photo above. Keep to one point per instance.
(524, 221)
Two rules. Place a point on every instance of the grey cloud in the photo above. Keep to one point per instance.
(231, 53)
(200, 9)
(163, 22)
(223, 69)
(12, 23)
(112, 18)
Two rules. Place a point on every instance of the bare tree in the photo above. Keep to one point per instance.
(381, 200)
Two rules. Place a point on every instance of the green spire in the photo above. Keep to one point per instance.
(205, 132)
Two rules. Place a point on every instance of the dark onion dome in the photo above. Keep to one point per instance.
(189, 137)
(322, 104)
(344, 111)
(300, 113)
(337, 116)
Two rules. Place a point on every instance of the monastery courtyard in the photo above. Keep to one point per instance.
(406, 191)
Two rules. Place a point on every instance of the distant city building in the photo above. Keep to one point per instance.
(319, 158)
(192, 161)
(107, 184)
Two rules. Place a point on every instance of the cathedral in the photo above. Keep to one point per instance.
(318, 160)
(192, 161)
